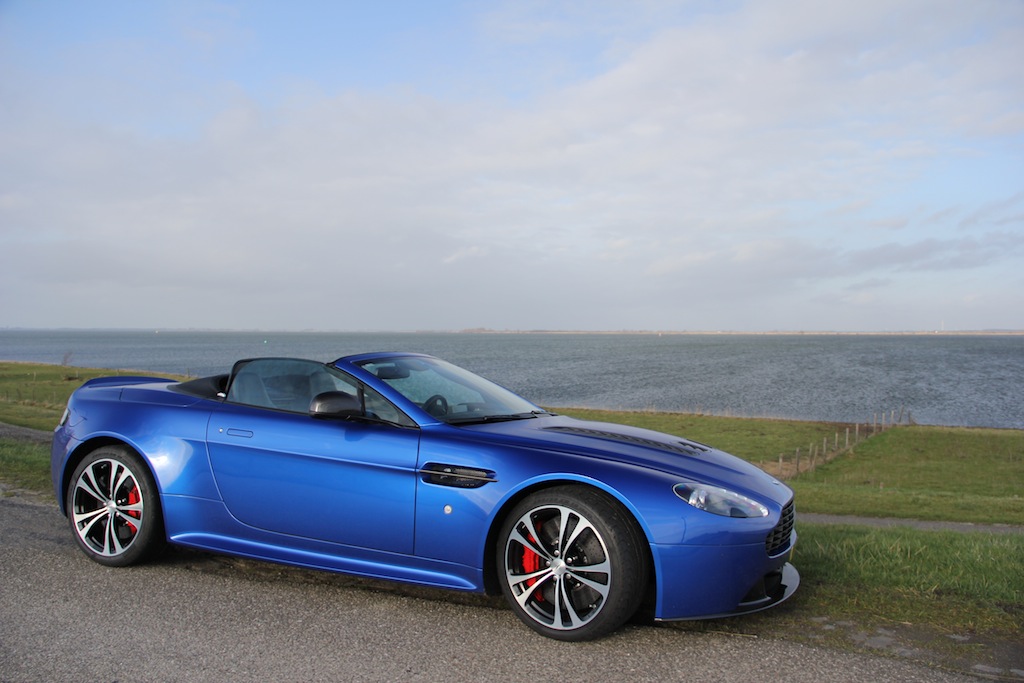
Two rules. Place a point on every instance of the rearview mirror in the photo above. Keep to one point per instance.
(395, 371)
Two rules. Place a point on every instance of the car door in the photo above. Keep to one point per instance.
(283, 471)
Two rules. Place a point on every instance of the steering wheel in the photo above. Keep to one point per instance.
(436, 405)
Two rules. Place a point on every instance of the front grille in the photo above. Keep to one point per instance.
(778, 538)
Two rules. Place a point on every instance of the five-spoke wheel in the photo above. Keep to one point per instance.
(113, 507)
(573, 565)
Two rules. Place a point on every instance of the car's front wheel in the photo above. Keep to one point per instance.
(573, 564)
(113, 507)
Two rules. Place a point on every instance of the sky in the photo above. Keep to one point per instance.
(399, 165)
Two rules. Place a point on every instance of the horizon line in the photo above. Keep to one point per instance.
(486, 330)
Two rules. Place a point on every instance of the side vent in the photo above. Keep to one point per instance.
(456, 476)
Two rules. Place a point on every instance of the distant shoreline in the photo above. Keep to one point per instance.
(485, 330)
(780, 333)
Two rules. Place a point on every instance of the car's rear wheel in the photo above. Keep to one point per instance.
(114, 509)
(573, 565)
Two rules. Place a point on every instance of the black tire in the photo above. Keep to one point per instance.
(572, 563)
(114, 509)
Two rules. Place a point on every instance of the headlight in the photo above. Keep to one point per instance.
(719, 501)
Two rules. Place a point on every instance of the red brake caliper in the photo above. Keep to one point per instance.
(531, 563)
(133, 498)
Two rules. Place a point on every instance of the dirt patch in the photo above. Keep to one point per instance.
(999, 659)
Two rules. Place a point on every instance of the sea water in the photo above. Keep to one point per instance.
(960, 380)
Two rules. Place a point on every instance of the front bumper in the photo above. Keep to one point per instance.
(705, 582)
(773, 589)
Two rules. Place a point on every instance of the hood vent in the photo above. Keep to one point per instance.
(691, 448)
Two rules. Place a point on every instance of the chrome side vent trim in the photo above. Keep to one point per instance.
(456, 476)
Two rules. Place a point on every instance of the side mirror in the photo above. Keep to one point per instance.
(335, 405)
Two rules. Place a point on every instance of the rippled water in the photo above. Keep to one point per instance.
(950, 380)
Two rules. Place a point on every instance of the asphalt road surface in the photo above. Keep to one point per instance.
(198, 617)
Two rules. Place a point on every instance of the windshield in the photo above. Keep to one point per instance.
(450, 393)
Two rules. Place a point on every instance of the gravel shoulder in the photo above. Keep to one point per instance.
(24, 433)
(193, 616)
(886, 522)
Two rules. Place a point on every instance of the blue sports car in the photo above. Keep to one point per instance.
(402, 466)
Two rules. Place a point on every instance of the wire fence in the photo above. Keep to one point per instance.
(816, 454)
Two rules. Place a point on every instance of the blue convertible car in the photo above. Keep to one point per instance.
(406, 467)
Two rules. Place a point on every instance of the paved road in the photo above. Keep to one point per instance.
(199, 617)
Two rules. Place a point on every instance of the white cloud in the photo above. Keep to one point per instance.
(725, 164)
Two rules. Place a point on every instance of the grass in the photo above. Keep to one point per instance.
(931, 473)
(942, 581)
(952, 600)
(34, 395)
(963, 582)
(756, 440)
(25, 465)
